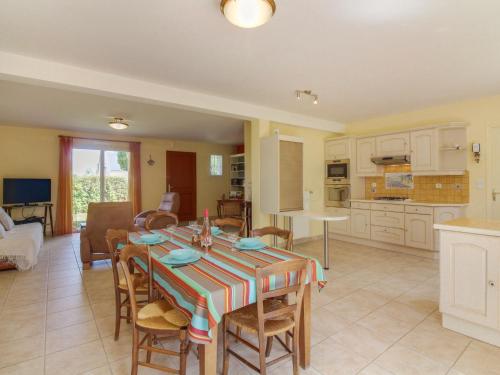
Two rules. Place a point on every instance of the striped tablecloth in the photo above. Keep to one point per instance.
(222, 281)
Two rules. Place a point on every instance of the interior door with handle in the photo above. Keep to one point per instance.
(181, 178)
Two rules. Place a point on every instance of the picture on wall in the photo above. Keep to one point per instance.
(399, 181)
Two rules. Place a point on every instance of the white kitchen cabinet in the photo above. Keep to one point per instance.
(393, 144)
(365, 150)
(390, 235)
(419, 231)
(443, 214)
(340, 227)
(424, 150)
(338, 149)
(388, 219)
(360, 223)
(469, 266)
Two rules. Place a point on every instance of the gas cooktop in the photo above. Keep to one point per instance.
(390, 198)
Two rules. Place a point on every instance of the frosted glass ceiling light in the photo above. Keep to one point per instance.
(118, 123)
(248, 13)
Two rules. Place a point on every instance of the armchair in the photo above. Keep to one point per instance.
(166, 213)
(102, 216)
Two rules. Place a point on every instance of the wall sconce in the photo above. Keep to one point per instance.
(476, 151)
(150, 162)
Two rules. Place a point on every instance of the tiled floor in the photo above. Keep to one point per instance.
(377, 316)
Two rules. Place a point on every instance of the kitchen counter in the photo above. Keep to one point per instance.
(410, 202)
(472, 226)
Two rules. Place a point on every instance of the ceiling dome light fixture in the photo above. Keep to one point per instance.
(299, 93)
(118, 123)
(248, 13)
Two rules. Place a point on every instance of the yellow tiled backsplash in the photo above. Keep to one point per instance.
(455, 189)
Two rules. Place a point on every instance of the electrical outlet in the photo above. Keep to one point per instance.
(373, 187)
(458, 186)
(439, 186)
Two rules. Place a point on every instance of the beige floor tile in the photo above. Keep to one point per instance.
(103, 309)
(329, 357)
(384, 325)
(68, 337)
(58, 283)
(21, 326)
(76, 360)
(65, 291)
(32, 367)
(403, 312)
(479, 358)
(106, 326)
(374, 369)
(33, 310)
(403, 361)
(436, 343)
(67, 303)
(362, 341)
(327, 323)
(105, 370)
(21, 350)
(116, 350)
(69, 317)
(356, 305)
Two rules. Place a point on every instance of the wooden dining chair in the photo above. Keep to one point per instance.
(157, 320)
(122, 295)
(273, 231)
(269, 317)
(237, 225)
(160, 220)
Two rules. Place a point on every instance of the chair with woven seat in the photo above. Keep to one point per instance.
(157, 320)
(114, 237)
(269, 317)
(231, 224)
(273, 231)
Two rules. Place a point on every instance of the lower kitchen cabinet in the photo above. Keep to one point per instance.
(340, 227)
(390, 235)
(360, 223)
(469, 267)
(419, 231)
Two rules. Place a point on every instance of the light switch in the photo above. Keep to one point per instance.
(439, 186)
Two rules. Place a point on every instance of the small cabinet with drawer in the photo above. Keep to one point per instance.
(390, 235)
(388, 219)
(360, 223)
(338, 149)
(419, 231)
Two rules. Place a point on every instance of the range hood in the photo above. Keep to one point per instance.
(391, 160)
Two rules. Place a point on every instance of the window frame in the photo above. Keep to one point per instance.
(221, 165)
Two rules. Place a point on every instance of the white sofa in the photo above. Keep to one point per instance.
(21, 245)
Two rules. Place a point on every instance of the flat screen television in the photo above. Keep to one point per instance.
(26, 190)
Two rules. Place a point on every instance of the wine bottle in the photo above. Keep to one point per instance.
(206, 233)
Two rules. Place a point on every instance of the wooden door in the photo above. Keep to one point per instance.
(365, 150)
(181, 178)
(469, 276)
(424, 152)
(419, 231)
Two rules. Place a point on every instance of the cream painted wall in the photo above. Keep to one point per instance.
(34, 152)
(480, 114)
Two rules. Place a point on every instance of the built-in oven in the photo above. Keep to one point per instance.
(338, 196)
(337, 172)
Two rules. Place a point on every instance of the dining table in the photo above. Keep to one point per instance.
(221, 281)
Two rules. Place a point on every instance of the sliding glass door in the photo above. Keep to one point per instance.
(99, 175)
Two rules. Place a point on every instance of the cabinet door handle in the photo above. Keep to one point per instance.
(491, 283)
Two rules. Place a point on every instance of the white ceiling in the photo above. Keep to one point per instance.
(363, 57)
(54, 108)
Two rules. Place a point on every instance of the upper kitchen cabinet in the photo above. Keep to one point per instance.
(424, 150)
(281, 175)
(393, 144)
(365, 150)
(338, 149)
(453, 149)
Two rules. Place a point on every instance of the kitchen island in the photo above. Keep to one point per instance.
(469, 272)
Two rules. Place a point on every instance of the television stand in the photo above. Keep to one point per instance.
(47, 215)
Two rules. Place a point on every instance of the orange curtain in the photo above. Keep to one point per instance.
(64, 218)
(135, 176)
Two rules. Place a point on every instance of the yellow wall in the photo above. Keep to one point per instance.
(479, 114)
(34, 152)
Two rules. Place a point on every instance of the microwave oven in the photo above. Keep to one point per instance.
(337, 172)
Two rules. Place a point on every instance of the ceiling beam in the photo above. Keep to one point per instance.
(52, 74)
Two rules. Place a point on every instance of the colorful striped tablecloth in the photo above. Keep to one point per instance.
(221, 282)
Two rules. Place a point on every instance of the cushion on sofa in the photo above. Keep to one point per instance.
(6, 220)
(2, 231)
